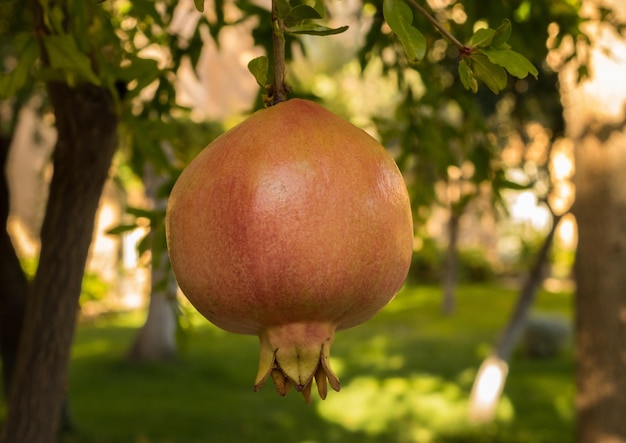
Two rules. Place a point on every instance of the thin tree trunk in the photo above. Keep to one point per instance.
(517, 323)
(451, 265)
(87, 138)
(156, 339)
(483, 402)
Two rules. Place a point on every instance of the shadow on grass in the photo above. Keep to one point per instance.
(406, 377)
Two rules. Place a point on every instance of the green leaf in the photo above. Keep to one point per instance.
(514, 62)
(216, 26)
(142, 70)
(302, 12)
(121, 229)
(63, 54)
(142, 213)
(259, 68)
(145, 244)
(501, 182)
(196, 42)
(199, 5)
(582, 73)
(283, 8)
(492, 75)
(320, 7)
(522, 13)
(28, 51)
(159, 244)
(482, 158)
(399, 17)
(482, 38)
(467, 77)
(145, 9)
(502, 34)
(314, 29)
(53, 16)
(147, 136)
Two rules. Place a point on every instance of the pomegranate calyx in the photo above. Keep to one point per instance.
(294, 355)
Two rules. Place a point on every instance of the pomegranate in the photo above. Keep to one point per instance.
(290, 226)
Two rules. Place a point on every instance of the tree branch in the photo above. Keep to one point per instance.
(517, 322)
(439, 27)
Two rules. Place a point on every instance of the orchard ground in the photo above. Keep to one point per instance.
(406, 377)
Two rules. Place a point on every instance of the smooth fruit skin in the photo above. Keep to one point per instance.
(289, 226)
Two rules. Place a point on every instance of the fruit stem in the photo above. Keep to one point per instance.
(279, 88)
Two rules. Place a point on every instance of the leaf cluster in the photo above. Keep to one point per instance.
(399, 17)
(300, 18)
(154, 239)
(438, 125)
(489, 57)
(125, 47)
(292, 18)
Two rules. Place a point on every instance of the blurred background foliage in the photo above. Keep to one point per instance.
(406, 377)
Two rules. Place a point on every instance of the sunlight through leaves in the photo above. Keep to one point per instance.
(418, 408)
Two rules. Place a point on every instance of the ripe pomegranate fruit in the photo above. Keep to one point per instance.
(290, 226)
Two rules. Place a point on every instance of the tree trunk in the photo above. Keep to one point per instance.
(87, 137)
(156, 340)
(14, 283)
(451, 265)
(595, 121)
(600, 271)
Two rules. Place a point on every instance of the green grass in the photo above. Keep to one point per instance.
(406, 376)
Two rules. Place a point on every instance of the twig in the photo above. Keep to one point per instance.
(451, 38)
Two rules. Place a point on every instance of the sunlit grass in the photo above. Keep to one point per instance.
(406, 377)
